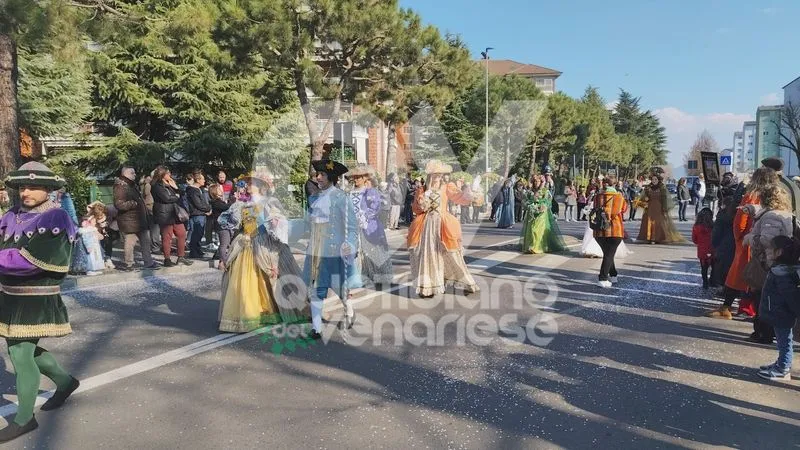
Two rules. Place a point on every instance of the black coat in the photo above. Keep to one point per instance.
(218, 206)
(196, 200)
(165, 204)
(131, 210)
(724, 245)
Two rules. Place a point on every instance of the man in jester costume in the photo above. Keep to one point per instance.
(332, 245)
(35, 248)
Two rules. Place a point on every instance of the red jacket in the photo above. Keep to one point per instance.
(701, 236)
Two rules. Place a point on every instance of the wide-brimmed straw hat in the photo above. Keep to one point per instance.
(34, 174)
(436, 166)
(361, 170)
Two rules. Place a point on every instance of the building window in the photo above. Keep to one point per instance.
(691, 164)
(407, 147)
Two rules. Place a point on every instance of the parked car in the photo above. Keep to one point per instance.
(672, 188)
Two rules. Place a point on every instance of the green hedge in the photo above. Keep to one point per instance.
(78, 186)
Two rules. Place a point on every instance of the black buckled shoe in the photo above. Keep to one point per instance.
(13, 431)
(59, 397)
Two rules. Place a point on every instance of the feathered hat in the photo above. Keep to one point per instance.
(436, 166)
(361, 170)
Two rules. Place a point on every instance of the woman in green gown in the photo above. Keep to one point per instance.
(540, 234)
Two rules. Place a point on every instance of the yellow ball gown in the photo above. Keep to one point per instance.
(248, 301)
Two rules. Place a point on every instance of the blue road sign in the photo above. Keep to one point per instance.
(724, 160)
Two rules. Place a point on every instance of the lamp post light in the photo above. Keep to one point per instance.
(485, 55)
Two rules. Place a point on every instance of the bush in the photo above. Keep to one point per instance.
(78, 186)
(463, 176)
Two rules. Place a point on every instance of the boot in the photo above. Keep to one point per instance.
(723, 312)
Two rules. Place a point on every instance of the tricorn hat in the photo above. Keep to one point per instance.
(436, 166)
(34, 174)
(330, 167)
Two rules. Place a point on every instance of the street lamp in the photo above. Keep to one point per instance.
(485, 55)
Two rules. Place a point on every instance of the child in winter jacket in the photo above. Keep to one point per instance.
(780, 304)
(701, 236)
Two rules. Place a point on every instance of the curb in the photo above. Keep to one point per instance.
(76, 282)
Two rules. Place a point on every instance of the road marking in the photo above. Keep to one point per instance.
(172, 356)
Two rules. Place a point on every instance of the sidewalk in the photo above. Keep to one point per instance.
(111, 276)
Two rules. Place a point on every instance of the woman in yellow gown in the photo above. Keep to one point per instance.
(247, 302)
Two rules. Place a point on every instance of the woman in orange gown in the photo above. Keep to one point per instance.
(434, 237)
(735, 286)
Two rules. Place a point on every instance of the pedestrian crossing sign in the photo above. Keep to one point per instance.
(725, 160)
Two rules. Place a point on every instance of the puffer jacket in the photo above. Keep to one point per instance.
(780, 297)
(198, 205)
(768, 225)
(132, 212)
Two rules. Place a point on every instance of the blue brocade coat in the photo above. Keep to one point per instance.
(332, 268)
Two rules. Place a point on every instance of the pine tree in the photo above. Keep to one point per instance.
(426, 70)
(645, 135)
(322, 50)
(53, 95)
(166, 81)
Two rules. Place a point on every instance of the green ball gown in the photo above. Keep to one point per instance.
(540, 233)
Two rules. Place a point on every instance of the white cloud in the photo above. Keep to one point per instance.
(682, 129)
(773, 98)
(771, 11)
(612, 105)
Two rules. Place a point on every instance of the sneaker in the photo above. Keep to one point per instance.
(612, 279)
(168, 263)
(94, 273)
(773, 375)
(766, 367)
(125, 268)
(604, 283)
(184, 261)
(152, 266)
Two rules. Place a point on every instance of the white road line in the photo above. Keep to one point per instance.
(178, 354)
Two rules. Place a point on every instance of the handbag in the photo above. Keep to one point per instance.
(598, 218)
(754, 275)
(183, 215)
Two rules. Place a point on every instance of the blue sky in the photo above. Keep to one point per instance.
(698, 64)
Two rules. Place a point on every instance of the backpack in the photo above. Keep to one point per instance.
(598, 217)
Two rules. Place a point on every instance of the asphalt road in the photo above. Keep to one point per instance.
(543, 358)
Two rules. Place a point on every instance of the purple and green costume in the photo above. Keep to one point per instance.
(35, 249)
